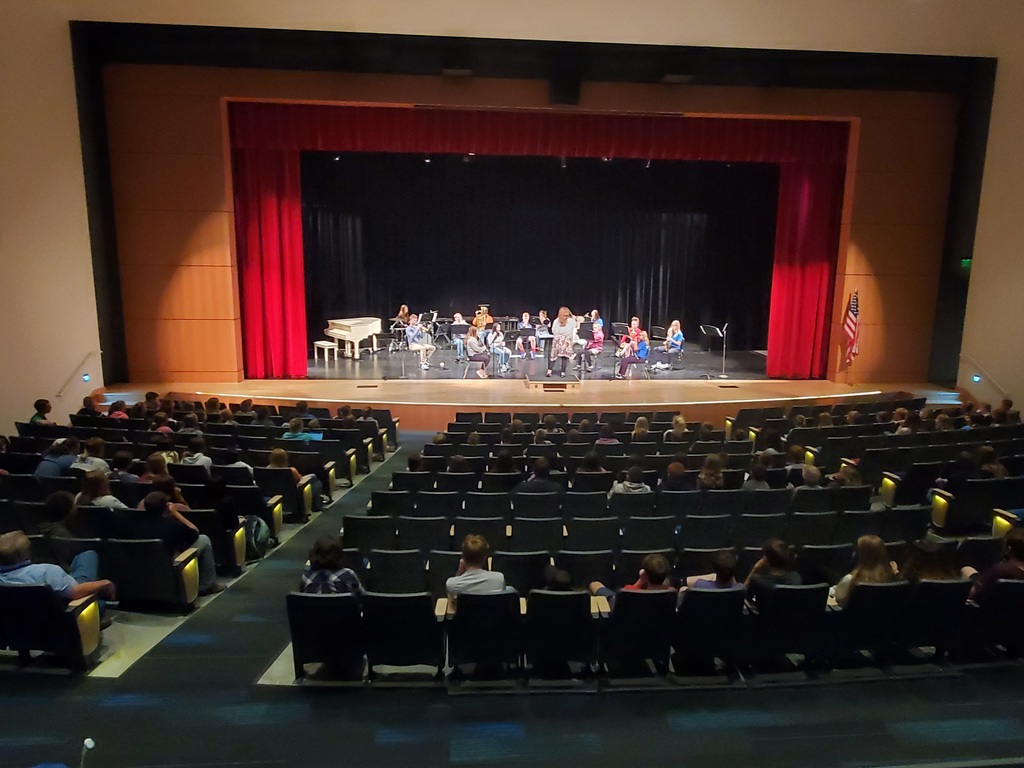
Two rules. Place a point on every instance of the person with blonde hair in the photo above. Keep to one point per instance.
(672, 347)
(641, 430)
(873, 567)
(678, 432)
(562, 331)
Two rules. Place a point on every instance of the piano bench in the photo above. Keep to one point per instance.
(325, 347)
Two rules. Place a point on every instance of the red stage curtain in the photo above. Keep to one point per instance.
(268, 226)
(811, 155)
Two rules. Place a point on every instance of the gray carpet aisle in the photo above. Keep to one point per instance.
(192, 701)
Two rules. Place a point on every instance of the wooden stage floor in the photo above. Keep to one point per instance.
(431, 404)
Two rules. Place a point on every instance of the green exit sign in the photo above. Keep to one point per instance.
(965, 263)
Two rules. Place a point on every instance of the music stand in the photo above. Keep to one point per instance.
(459, 330)
(526, 334)
(714, 332)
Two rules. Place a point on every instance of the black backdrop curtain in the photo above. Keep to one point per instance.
(679, 240)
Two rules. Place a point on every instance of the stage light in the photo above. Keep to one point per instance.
(647, 164)
(563, 162)
(426, 159)
(471, 154)
(976, 378)
(86, 377)
(605, 159)
(337, 158)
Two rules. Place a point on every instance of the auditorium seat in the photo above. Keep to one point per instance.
(22, 488)
(639, 629)
(591, 504)
(870, 621)
(233, 475)
(486, 630)
(411, 481)
(523, 571)
(393, 571)
(627, 505)
(530, 534)
(491, 528)
(649, 533)
(908, 523)
(537, 504)
(790, 620)
(770, 501)
(754, 530)
(500, 482)
(980, 552)
(47, 623)
(391, 503)
(447, 504)
(147, 576)
(935, 616)
(1000, 619)
(441, 566)
(560, 629)
(825, 562)
(460, 482)
(249, 500)
(708, 624)
(193, 474)
(725, 502)
(326, 629)
(402, 631)
(854, 524)
(693, 561)
(593, 533)
(424, 533)
(587, 566)
(587, 482)
(811, 528)
(811, 500)
(706, 531)
(488, 504)
(679, 504)
(297, 499)
(853, 498)
(227, 537)
(366, 533)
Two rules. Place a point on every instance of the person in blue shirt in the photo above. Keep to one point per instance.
(636, 354)
(595, 318)
(665, 354)
(58, 458)
(419, 341)
(296, 431)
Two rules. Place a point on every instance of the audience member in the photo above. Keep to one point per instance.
(245, 409)
(810, 478)
(557, 579)
(632, 483)
(96, 493)
(59, 512)
(414, 463)
(120, 468)
(653, 576)
(42, 413)
(297, 431)
(325, 574)
(551, 425)
(757, 479)
(471, 578)
(17, 568)
(196, 455)
(117, 410)
(641, 430)
(724, 573)
(458, 463)
(540, 481)
(540, 437)
(710, 475)
(591, 462)
(926, 560)
(504, 463)
(91, 459)
(873, 567)
(89, 407)
(58, 458)
(607, 436)
(233, 458)
(160, 520)
(775, 567)
(677, 433)
(989, 465)
(165, 447)
(156, 468)
(1011, 566)
(675, 478)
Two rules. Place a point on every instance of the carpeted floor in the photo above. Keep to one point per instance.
(192, 701)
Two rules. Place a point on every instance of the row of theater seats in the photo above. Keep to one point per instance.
(550, 534)
(545, 632)
(397, 571)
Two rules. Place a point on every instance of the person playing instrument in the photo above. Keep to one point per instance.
(635, 354)
(482, 318)
(497, 345)
(673, 346)
(477, 351)
(419, 341)
(595, 318)
(633, 333)
(593, 347)
(460, 344)
(526, 325)
(402, 316)
(562, 331)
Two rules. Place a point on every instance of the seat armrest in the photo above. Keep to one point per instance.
(187, 566)
(940, 506)
(185, 557)
(350, 456)
(890, 484)
(276, 506)
(522, 606)
(441, 608)
(811, 455)
(86, 613)
(599, 607)
(847, 462)
(330, 469)
(1002, 522)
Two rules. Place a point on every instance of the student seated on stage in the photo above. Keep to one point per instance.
(595, 318)
(419, 341)
(540, 481)
(592, 348)
(607, 436)
(653, 576)
(471, 577)
(723, 577)
(775, 567)
(636, 354)
(477, 351)
(633, 482)
(457, 339)
(667, 352)
(528, 331)
(498, 348)
(325, 574)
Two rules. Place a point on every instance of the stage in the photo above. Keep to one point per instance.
(429, 404)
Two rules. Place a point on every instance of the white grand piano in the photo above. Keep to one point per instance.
(353, 330)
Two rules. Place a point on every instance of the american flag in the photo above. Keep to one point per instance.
(852, 328)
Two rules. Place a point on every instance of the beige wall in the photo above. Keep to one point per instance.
(50, 318)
